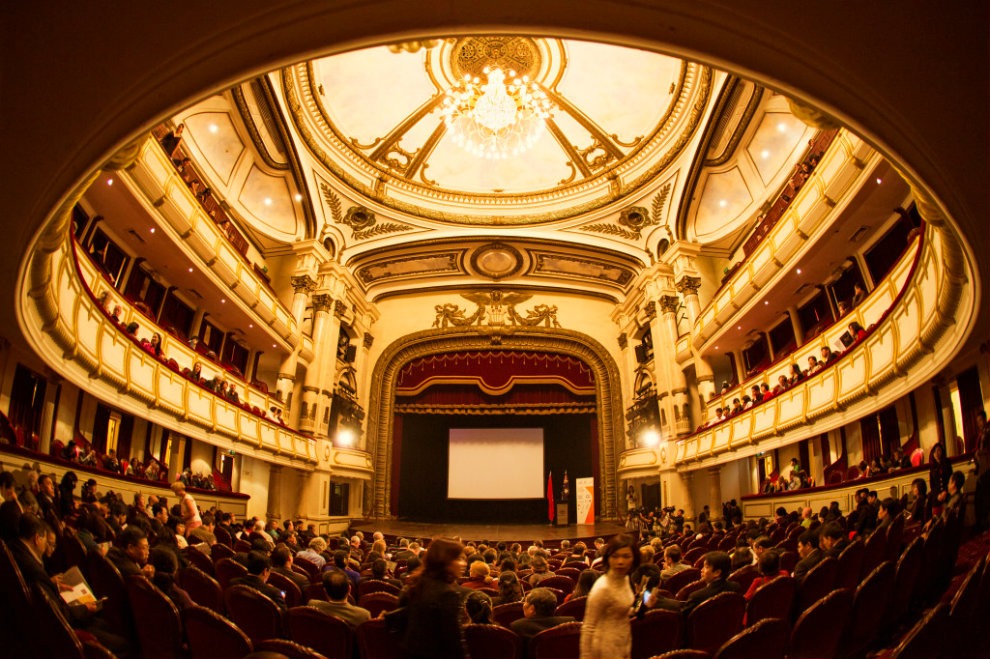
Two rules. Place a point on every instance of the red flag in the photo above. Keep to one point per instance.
(550, 493)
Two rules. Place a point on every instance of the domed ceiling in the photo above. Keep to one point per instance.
(375, 119)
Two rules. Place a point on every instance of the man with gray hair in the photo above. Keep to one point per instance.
(538, 609)
(313, 552)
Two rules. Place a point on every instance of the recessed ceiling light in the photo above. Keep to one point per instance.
(766, 302)
(738, 327)
(213, 128)
(764, 154)
(722, 203)
(782, 127)
(274, 346)
(298, 197)
(190, 269)
(879, 180)
(799, 270)
(109, 181)
(268, 201)
(152, 229)
(251, 326)
(716, 347)
(223, 301)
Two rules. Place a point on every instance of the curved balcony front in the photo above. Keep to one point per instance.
(68, 329)
(846, 166)
(922, 312)
(154, 181)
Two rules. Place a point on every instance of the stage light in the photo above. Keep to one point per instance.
(345, 437)
(650, 438)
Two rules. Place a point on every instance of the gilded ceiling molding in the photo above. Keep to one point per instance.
(572, 266)
(495, 309)
(404, 267)
(259, 144)
(382, 407)
(741, 125)
(362, 221)
(692, 95)
(813, 116)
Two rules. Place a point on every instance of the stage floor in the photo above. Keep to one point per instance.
(490, 532)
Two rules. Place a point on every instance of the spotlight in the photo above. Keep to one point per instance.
(345, 437)
(650, 438)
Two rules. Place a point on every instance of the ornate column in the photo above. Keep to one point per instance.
(686, 478)
(715, 491)
(274, 510)
(792, 313)
(308, 418)
(669, 305)
(302, 286)
(688, 287)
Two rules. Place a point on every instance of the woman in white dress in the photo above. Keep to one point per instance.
(606, 631)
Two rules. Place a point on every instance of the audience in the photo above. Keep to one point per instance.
(337, 586)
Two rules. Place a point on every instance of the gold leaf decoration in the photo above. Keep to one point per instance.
(333, 201)
(611, 230)
(379, 229)
(659, 201)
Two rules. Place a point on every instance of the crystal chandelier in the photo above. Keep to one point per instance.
(496, 119)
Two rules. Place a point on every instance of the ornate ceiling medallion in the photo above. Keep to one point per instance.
(496, 261)
(471, 56)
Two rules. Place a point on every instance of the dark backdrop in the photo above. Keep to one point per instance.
(423, 470)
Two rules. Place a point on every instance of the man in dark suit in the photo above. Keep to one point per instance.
(282, 564)
(715, 573)
(810, 554)
(130, 553)
(833, 540)
(538, 609)
(259, 566)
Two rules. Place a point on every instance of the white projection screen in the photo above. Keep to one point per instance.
(495, 463)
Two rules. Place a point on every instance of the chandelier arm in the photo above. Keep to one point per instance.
(568, 148)
(587, 123)
(396, 134)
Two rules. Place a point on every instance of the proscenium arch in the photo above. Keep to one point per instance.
(608, 395)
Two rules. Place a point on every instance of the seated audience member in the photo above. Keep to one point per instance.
(769, 567)
(646, 577)
(132, 328)
(541, 570)
(747, 402)
(538, 612)
(736, 407)
(715, 571)
(794, 481)
(761, 544)
(805, 514)
(859, 294)
(757, 394)
(782, 385)
(340, 563)
(796, 374)
(811, 555)
(313, 552)
(478, 607)
(917, 507)
(741, 558)
(479, 573)
(889, 509)
(204, 532)
(856, 331)
(337, 586)
(585, 581)
(954, 503)
(379, 572)
(765, 391)
(814, 365)
(166, 566)
(130, 553)
(282, 564)
(259, 566)
(828, 355)
(509, 589)
(833, 540)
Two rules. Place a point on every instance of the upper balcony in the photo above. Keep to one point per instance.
(918, 317)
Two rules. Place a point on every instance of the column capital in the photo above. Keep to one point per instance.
(669, 303)
(688, 285)
(303, 283)
(322, 302)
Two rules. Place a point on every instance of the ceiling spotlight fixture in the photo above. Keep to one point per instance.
(782, 127)
(109, 181)
(223, 301)
(764, 154)
(766, 302)
(298, 197)
(650, 437)
(152, 229)
(879, 180)
(723, 203)
(250, 325)
(498, 118)
(190, 269)
(268, 201)
(213, 128)
(799, 270)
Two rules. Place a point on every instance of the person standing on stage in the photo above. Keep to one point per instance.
(606, 631)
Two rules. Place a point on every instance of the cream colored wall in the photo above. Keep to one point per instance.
(201, 458)
(254, 482)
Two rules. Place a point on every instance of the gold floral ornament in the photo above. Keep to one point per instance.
(495, 309)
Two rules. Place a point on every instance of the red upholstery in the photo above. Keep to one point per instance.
(290, 649)
(492, 642)
(55, 637)
(560, 642)
(873, 554)
(375, 586)
(224, 538)
(788, 559)
(817, 631)
(818, 583)
(159, 629)
(315, 591)
(850, 566)
(378, 602)
(220, 550)
(573, 607)
(926, 639)
(772, 600)
(745, 576)
(506, 614)
(715, 621)
(293, 596)
(686, 591)
(107, 582)
(681, 579)
(657, 631)
(683, 654)
(905, 580)
(227, 570)
(962, 612)
(201, 587)
(572, 572)
(868, 606)
(312, 569)
(559, 582)
(559, 594)
(199, 559)
(256, 614)
(377, 642)
(211, 636)
(895, 535)
(331, 637)
(767, 639)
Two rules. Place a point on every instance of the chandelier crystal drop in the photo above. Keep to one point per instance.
(496, 119)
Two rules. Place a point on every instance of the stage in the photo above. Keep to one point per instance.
(489, 532)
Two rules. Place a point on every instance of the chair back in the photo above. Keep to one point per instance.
(106, 581)
(331, 637)
(686, 591)
(312, 569)
(290, 649)
(315, 591)
(817, 583)
(559, 594)
(226, 570)
(681, 579)
(506, 614)
(684, 654)
(926, 638)
(368, 586)
(715, 621)
(850, 566)
(377, 642)
(905, 581)
(560, 642)
(559, 582)
(788, 559)
(817, 632)
(55, 636)
(211, 636)
(159, 628)
(766, 639)
(378, 602)
(219, 551)
(223, 537)
(492, 642)
(293, 595)
(573, 607)
(745, 576)
(873, 553)
(694, 554)
(658, 631)
(772, 600)
(202, 589)
(895, 535)
(867, 610)
(572, 572)
(199, 559)
(964, 603)
(253, 612)
(241, 546)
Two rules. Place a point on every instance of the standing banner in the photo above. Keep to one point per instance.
(550, 511)
(585, 500)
